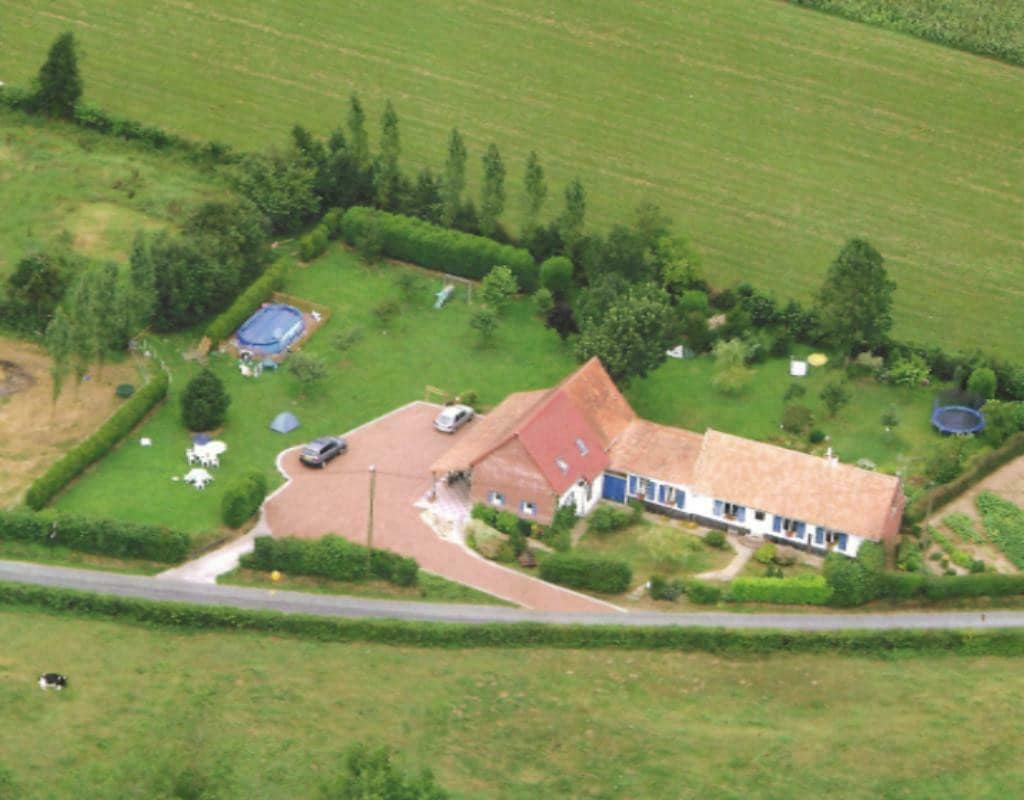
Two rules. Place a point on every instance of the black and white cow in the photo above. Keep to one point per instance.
(52, 680)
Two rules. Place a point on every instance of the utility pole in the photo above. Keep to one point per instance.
(369, 519)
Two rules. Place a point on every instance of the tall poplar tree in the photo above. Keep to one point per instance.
(59, 345)
(454, 178)
(570, 224)
(535, 191)
(358, 141)
(492, 192)
(386, 175)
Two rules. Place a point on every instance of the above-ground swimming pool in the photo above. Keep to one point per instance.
(271, 329)
(958, 419)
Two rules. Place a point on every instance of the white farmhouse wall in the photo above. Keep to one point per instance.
(577, 496)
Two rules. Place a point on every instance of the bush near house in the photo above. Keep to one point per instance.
(419, 242)
(109, 434)
(607, 518)
(330, 557)
(587, 572)
(243, 498)
(703, 593)
(108, 537)
(801, 590)
(715, 539)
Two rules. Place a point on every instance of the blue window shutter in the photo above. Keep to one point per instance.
(632, 484)
(719, 506)
(741, 514)
(801, 527)
(819, 535)
(680, 498)
(661, 493)
(777, 524)
(842, 541)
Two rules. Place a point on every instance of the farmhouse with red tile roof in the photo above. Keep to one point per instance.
(581, 441)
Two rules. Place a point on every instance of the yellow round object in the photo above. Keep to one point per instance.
(275, 575)
(817, 359)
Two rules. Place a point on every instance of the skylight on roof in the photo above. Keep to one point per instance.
(562, 465)
(582, 447)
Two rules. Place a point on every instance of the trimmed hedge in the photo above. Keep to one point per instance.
(225, 324)
(587, 572)
(242, 499)
(901, 585)
(871, 643)
(101, 442)
(980, 467)
(706, 594)
(107, 537)
(330, 557)
(801, 590)
(435, 247)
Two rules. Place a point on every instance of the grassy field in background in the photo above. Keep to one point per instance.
(770, 134)
(62, 184)
(261, 716)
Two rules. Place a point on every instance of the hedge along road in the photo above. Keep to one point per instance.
(169, 590)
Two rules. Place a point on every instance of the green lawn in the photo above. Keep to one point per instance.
(61, 184)
(680, 393)
(385, 369)
(650, 549)
(265, 716)
(769, 133)
(431, 588)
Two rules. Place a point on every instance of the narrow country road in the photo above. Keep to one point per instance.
(170, 589)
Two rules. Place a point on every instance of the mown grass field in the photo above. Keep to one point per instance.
(72, 187)
(260, 716)
(769, 133)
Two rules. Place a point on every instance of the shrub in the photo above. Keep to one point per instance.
(946, 459)
(910, 370)
(556, 275)
(544, 302)
(784, 558)
(499, 288)
(224, 325)
(204, 403)
(486, 541)
(330, 557)
(801, 590)
(507, 522)
(586, 572)
(908, 556)
(75, 461)
(694, 300)
(816, 436)
(703, 593)
(486, 514)
(765, 554)
(332, 223)
(242, 499)
(796, 418)
(108, 537)
(432, 246)
(982, 383)
(606, 519)
(662, 589)
(855, 581)
(715, 539)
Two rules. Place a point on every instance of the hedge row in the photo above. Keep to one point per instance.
(101, 442)
(435, 247)
(587, 572)
(225, 324)
(107, 537)
(242, 499)
(979, 468)
(96, 119)
(330, 557)
(801, 590)
(904, 585)
(880, 643)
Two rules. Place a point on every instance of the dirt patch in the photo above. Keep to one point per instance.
(34, 431)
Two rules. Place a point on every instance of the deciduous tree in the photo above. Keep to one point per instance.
(204, 403)
(835, 395)
(59, 84)
(358, 141)
(570, 223)
(59, 345)
(535, 191)
(485, 322)
(856, 298)
(498, 288)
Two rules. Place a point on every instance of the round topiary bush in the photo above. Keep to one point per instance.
(125, 390)
(204, 403)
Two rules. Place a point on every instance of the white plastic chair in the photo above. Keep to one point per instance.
(191, 456)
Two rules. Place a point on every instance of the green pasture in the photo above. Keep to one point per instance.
(680, 393)
(64, 185)
(771, 134)
(244, 715)
(388, 367)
